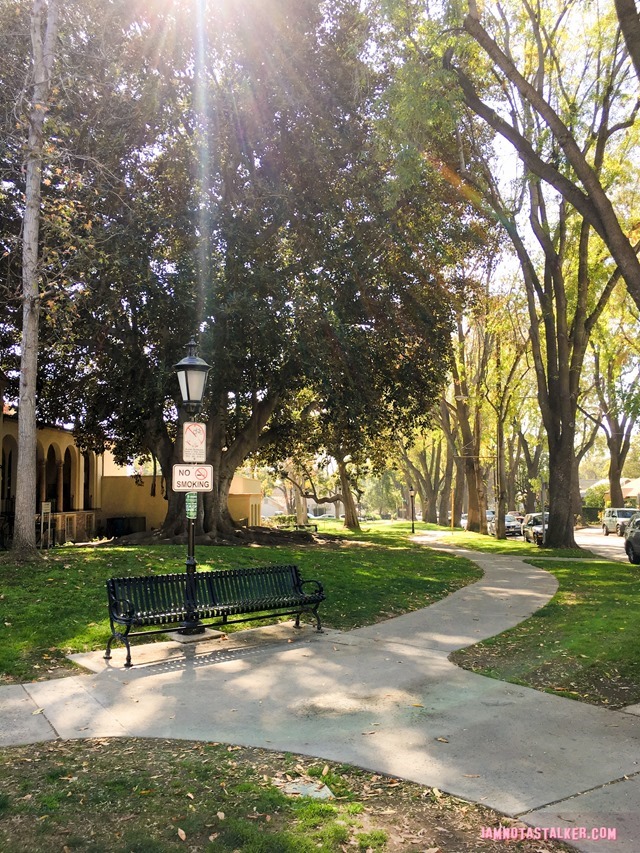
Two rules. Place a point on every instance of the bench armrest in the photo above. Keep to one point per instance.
(126, 607)
(318, 585)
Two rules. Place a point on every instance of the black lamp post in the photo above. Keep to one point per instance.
(192, 378)
(412, 495)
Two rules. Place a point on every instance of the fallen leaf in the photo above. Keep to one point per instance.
(213, 836)
(191, 797)
(220, 815)
(369, 733)
(182, 834)
(442, 739)
(39, 711)
(325, 769)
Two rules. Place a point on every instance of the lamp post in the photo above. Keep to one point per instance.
(192, 378)
(412, 495)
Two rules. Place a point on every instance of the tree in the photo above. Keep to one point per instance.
(44, 28)
(542, 110)
(614, 110)
(286, 251)
(627, 11)
(616, 371)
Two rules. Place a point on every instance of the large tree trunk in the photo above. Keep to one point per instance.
(214, 518)
(561, 470)
(43, 43)
(350, 511)
(630, 25)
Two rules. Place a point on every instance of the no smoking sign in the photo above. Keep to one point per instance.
(192, 478)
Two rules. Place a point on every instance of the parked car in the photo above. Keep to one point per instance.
(532, 529)
(615, 519)
(511, 526)
(524, 520)
(632, 538)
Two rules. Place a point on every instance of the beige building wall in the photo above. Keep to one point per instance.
(84, 490)
(123, 498)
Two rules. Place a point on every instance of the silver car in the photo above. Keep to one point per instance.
(532, 527)
(615, 519)
(511, 526)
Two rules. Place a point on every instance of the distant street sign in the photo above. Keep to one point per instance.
(194, 442)
(191, 503)
(192, 478)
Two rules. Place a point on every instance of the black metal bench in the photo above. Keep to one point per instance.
(161, 600)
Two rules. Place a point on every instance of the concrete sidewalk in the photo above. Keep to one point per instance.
(383, 697)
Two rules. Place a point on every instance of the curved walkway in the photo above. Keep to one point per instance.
(383, 697)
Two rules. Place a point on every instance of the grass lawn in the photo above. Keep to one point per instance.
(58, 606)
(156, 796)
(585, 643)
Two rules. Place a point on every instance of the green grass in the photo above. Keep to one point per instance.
(585, 643)
(582, 644)
(489, 544)
(59, 606)
(135, 795)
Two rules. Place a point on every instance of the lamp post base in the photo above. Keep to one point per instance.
(191, 628)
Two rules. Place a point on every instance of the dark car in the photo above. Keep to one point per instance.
(632, 538)
(532, 528)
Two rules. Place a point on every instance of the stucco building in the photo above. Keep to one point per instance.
(87, 494)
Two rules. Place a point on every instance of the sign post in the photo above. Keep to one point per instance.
(192, 479)
(45, 523)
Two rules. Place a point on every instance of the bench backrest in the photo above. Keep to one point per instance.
(231, 586)
(155, 593)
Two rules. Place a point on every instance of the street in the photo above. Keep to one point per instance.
(611, 546)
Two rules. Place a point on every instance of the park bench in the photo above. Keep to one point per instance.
(156, 602)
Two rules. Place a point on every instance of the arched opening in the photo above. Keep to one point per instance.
(8, 475)
(51, 479)
(67, 492)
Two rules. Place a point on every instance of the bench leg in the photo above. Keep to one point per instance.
(316, 617)
(318, 625)
(117, 635)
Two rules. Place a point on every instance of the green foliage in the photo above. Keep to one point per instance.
(594, 497)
